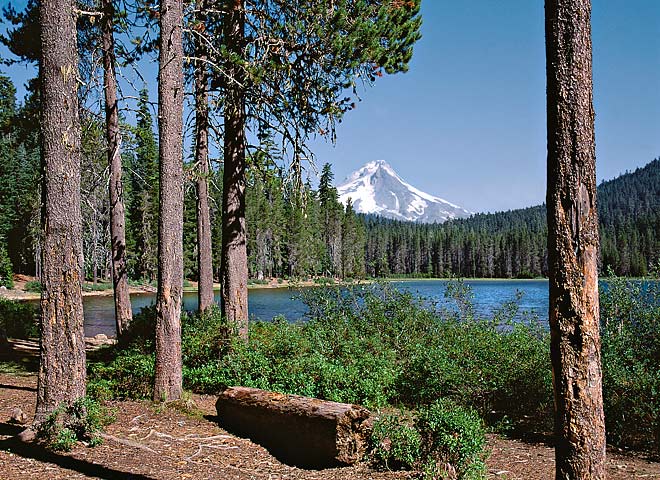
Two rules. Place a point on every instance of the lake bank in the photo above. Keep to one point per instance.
(19, 293)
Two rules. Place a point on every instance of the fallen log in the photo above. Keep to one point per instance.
(300, 431)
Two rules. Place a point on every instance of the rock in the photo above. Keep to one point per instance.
(28, 435)
(18, 416)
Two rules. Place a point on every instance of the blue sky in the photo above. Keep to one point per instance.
(467, 122)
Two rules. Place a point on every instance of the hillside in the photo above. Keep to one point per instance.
(513, 243)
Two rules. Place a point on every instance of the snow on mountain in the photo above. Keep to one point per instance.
(376, 188)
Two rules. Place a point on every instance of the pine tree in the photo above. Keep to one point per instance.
(204, 242)
(298, 90)
(573, 243)
(234, 294)
(168, 368)
(144, 184)
(332, 213)
(123, 311)
(62, 361)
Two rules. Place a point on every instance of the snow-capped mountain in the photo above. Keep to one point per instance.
(376, 188)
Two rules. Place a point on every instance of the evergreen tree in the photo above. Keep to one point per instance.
(144, 185)
(62, 369)
(168, 378)
(573, 243)
(331, 228)
(297, 90)
(204, 242)
(123, 311)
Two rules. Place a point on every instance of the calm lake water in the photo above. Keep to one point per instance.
(264, 304)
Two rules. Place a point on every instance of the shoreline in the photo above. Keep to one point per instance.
(18, 294)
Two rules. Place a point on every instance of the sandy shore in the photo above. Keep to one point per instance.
(19, 293)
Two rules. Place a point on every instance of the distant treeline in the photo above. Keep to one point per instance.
(312, 240)
(301, 231)
(312, 234)
(513, 244)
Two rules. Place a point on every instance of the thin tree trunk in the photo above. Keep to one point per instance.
(168, 378)
(204, 249)
(62, 347)
(123, 313)
(234, 249)
(573, 243)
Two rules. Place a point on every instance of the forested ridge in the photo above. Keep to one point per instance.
(513, 243)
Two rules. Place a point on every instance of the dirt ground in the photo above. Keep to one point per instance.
(148, 442)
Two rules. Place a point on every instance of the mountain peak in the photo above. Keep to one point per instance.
(376, 188)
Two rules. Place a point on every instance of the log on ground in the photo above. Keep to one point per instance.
(300, 431)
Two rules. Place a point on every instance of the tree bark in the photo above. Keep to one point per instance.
(123, 312)
(62, 347)
(168, 378)
(573, 243)
(301, 431)
(204, 249)
(234, 248)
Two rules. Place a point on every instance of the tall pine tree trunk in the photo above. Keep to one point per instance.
(204, 249)
(234, 248)
(168, 379)
(573, 243)
(62, 363)
(123, 313)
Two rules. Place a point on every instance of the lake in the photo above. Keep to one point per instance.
(264, 304)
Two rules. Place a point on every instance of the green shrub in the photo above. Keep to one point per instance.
(33, 286)
(376, 346)
(62, 439)
(96, 287)
(445, 441)
(141, 334)
(630, 331)
(6, 268)
(19, 319)
(395, 443)
(129, 375)
(204, 337)
(453, 441)
(81, 421)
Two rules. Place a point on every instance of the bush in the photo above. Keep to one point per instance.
(81, 421)
(445, 441)
(6, 268)
(141, 333)
(453, 441)
(19, 319)
(33, 286)
(395, 443)
(204, 337)
(129, 375)
(96, 287)
(379, 347)
(630, 326)
(499, 373)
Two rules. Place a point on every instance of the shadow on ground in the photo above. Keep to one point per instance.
(41, 454)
